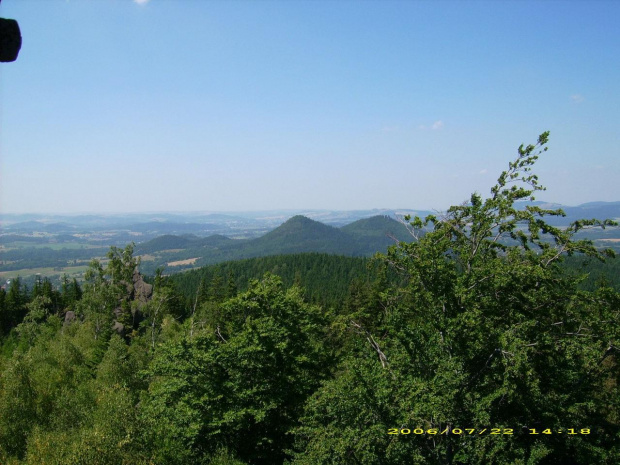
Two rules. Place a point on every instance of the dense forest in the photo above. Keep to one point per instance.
(325, 280)
(455, 348)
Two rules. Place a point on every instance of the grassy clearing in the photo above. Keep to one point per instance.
(189, 261)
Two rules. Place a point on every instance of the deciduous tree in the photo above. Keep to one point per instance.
(488, 332)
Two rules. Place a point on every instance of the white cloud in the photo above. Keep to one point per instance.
(484, 171)
(577, 98)
(141, 2)
(435, 126)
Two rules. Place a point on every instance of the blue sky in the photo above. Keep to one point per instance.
(191, 105)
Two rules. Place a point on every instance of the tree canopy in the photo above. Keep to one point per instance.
(485, 333)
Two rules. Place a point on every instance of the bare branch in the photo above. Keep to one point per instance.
(373, 343)
(217, 331)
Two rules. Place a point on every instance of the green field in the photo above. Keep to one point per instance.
(71, 271)
(54, 246)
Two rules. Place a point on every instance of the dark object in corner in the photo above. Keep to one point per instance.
(10, 40)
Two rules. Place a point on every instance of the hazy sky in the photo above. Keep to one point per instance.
(179, 105)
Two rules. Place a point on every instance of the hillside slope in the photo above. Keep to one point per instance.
(297, 235)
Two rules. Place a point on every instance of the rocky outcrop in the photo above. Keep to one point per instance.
(138, 291)
(118, 328)
(142, 291)
(69, 317)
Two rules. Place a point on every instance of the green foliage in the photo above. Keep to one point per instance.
(592, 273)
(109, 293)
(99, 299)
(44, 288)
(62, 402)
(13, 306)
(483, 335)
(240, 386)
(71, 293)
(155, 312)
(38, 311)
(121, 265)
(324, 278)
(42, 389)
(18, 409)
(223, 457)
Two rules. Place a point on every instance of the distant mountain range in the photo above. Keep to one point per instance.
(117, 229)
(248, 224)
(598, 210)
(59, 244)
(297, 235)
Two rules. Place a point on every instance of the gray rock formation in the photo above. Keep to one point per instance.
(69, 317)
(138, 291)
(118, 328)
(142, 290)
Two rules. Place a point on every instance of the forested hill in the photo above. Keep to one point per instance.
(297, 235)
(301, 234)
(378, 230)
(171, 242)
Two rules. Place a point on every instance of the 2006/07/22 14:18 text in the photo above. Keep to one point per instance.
(458, 431)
